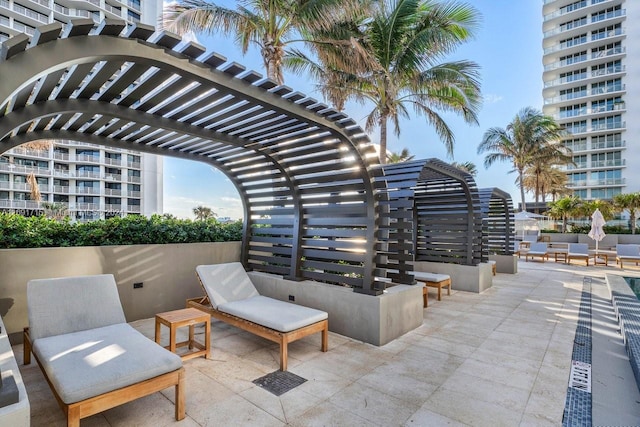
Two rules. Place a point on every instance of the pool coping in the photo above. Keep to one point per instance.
(627, 309)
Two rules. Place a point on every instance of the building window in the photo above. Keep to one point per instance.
(579, 144)
(573, 24)
(573, 110)
(610, 31)
(612, 140)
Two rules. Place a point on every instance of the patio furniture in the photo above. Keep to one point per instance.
(185, 317)
(538, 249)
(92, 359)
(434, 280)
(232, 298)
(629, 253)
(578, 251)
(494, 266)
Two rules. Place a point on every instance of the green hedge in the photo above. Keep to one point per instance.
(17, 231)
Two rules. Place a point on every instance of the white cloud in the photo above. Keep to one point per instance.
(492, 98)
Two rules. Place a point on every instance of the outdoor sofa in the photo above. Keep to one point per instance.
(629, 253)
(92, 359)
(232, 298)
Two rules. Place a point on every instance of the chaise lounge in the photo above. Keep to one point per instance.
(630, 253)
(232, 298)
(92, 359)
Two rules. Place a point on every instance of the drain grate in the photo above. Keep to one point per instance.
(279, 382)
(580, 377)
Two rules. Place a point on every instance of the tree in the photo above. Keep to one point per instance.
(628, 202)
(564, 209)
(403, 156)
(468, 167)
(588, 207)
(391, 60)
(271, 25)
(203, 213)
(531, 135)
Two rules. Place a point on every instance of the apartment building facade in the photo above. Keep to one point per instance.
(591, 86)
(90, 181)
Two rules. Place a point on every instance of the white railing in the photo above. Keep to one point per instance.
(585, 93)
(607, 145)
(19, 204)
(30, 152)
(61, 156)
(608, 126)
(87, 174)
(609, 52)
(87, 158)
(5, 185)
(609, 15)
(87, 206)
(60, 189)
(135, 208)
(133, 165)
(110, 161)
(134, 179)
(30, 13)
(133, 193)
(87, 190)
(112, 192)
(589, 111)
(113, 208)
(113, 177)
(607, 163)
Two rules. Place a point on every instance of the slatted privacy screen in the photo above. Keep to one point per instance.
(303, 170)
(447, 216)
(498, 225)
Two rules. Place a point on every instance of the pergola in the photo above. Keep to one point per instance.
(432, 213)
(498, 222)
(303, 170)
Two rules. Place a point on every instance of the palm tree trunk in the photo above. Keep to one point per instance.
(632, 217)
(383, 139)
(521, 174)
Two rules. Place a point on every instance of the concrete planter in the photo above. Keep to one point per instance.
(470, 278)
(505, 263)
(375, 320)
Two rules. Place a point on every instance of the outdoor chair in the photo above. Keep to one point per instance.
(538, 249)
(518, 249)
(92, 359)
(232, 298)
(627, 253)
(578, 251)
(494, 266)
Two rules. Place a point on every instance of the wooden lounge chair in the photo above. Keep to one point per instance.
(434, 280)
(578, 251)
(629, 253)
(232, 298)
(92, 359)
(537, 250)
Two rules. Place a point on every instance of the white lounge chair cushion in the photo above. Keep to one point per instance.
(85, 364)
(537, 249)
(628, 251)
(272, 313)
(578, 250)
(71, 304)
(226, 283)
(431, 277)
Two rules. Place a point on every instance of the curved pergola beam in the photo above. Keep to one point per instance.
(302, 169)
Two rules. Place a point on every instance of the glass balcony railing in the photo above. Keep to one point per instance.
(608, 163)
(585, 93)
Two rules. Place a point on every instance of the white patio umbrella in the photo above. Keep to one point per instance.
(597, 224)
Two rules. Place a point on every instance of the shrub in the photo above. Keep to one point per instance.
(17, 231)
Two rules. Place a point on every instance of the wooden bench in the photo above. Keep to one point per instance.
(434, 280)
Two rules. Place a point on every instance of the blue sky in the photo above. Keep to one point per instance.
(508, 48)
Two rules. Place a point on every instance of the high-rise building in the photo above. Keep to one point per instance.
(90, 181)
(592, 88)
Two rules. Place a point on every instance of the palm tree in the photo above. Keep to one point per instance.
(529, 136)
(391, 60)
(588, 207)
(628, 202)
(403, 156)
(468, 167)
(564, 209)
(203, 213)
(271, 25)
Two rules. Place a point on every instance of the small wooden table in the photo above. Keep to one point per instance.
(558, 255)
(186, 317)
(600, 259)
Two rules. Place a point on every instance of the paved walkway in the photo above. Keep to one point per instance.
(500, 358)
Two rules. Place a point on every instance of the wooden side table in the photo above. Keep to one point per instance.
(600, 259)
(186, 317)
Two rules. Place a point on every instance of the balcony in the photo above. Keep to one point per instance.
(10, 167)
(133, 165)
(87, 190)
(134, 179)
(5, 185)
(85, 207)
(608, 126)
(19, 204)
(87, 158)
(88, 174)
(134, 208)
(608, 145)
(112, 192)
(110, 161)
(61, 189)
(589, 111)
(113, 177)
(608, 163)
(29, 152)
(61, 156)
(38, 17)
(585, 94)
(563, 11)
(135, 194)
(113, 208)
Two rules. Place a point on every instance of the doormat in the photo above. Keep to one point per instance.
(279, 382)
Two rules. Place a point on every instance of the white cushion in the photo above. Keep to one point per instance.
(628, 251)
(226, 283)
(71, 304)
(85, 364)
(431, 277)
(272, 313)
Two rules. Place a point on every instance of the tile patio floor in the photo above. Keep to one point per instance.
(500, 358)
